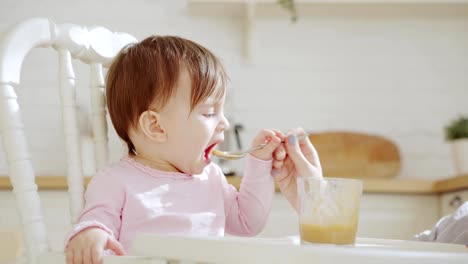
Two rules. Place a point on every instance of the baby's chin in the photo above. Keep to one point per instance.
(194, 170)
(200, 171)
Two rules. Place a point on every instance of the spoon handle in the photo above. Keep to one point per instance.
(260, 146)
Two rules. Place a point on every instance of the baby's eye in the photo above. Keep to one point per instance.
(209, 115)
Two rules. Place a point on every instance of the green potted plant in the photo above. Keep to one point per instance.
(290, 6)
(457, 133)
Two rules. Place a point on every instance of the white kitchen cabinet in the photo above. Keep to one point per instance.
(392, 216)
(397, 216)
(451, 201)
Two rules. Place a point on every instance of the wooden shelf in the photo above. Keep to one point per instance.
(402, 186)
(42, 182)
(451, 184)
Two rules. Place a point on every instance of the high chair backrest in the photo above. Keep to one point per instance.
(95, 46)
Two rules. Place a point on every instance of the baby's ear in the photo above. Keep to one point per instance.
(151, 126)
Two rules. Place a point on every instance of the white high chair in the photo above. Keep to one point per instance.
(96, 47)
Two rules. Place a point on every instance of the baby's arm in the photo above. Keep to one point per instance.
(449, 229)
(99, 224)
(247, 210)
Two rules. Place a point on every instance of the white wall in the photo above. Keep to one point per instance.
(399, 72)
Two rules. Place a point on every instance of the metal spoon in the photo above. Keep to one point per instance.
(235, 155)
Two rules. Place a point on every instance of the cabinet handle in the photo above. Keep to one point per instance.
(456, 201)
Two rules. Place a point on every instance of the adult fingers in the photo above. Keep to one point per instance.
(280, 153)
(303, 166)
(307, 148)
(277, 164)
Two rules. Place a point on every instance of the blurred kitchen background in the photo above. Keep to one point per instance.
(394, 70)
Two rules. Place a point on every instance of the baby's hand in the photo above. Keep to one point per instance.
(272, 138)
(88, 246)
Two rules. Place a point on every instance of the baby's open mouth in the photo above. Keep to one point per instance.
(208, 151)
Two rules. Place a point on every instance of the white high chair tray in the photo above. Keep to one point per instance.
(289, 250)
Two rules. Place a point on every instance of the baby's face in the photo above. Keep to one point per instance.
(192, 135)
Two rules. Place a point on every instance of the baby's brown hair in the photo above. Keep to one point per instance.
(145, 74)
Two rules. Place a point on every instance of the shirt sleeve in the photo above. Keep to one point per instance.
(247, 210)
(449, 229)
(104, 199)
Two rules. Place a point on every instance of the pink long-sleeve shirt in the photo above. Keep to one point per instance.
(128, 198)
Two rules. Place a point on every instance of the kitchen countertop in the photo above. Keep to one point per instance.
(408, 186)
(394, 185)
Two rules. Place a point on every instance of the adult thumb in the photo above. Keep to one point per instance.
(115, 246)
(294, 151)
